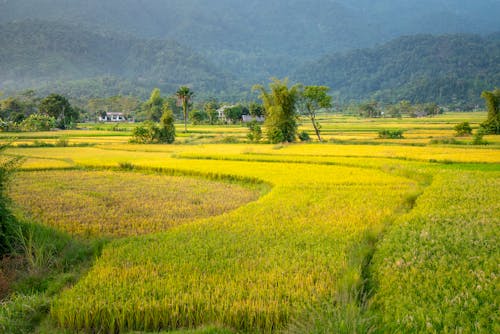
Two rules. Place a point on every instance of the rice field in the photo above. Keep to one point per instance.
(367, 237)
(117, 204)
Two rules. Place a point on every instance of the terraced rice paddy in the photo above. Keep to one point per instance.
(350, 238)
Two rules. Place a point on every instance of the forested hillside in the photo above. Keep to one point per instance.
(449, 69)
(262, 38)
(78, 62)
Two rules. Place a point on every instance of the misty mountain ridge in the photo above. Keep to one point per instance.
(445, 69)
(262, 38)
(38, 54)
(222, 47)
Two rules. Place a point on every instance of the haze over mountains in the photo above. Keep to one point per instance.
(224, 46)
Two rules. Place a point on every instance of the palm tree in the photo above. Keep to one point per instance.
(184, 94)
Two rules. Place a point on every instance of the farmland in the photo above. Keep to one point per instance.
(355, 235)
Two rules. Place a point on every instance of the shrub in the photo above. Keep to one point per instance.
(146, 133)
(463, 129)
(255, 133)
(478, 137)
(275, 136)
(167, 128)
(391, 134)
(304, 136)
(38, 122)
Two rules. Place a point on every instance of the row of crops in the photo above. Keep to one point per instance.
(337, 245)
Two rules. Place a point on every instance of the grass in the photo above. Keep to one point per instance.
(350, 239)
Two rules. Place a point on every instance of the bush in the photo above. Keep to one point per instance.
(146, 133)
(478, 137)
(255, 133)
(198, 117)
(38, 122)
(463, 129)
(275, 136)
(391, 134)
(167, 128)
(304, 136)
(8, 126)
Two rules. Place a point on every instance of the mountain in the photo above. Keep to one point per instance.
(261, 38)
(36, 54)
(448, 69)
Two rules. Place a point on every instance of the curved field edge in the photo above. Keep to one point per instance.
(401, 168)
(251, 270)
(117, 203)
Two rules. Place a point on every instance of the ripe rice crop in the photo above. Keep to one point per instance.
(252, 269)
(121, 203)
(264, 265)
(437, 268)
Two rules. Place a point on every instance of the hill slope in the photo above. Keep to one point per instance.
(259, 38)
(444, 69)
(47, 54)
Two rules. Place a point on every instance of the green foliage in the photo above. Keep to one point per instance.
(369, 109)
(256, 110)
(313, 98)
(304, 136)
(463, 129)
(145, 133)
(198, 116)
(492, 123)
(280, 106)
(478, 137)
(233, 114)
(167, 127)
(449, 70)
(184, 94)
(38, 122)
(211, 109)
(255, 131)
(58, 106)
(153, 107)
(391, 134)
(7, 168)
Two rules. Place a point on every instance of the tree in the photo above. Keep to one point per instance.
(233, 113)
(313, 98)
(255, 131)
(256, 109)
(280, 106)
(58, 106)
(211, 109)
(198, 116)
(167, 127)
(369, 109)
(145, 133)
(153, 108)
(184, 94)
(38, 122)
(492, 123)
(463, 129)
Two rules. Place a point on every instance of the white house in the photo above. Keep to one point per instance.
(113, 117)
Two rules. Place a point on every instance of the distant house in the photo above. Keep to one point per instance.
(244, 118)
(113, 117)
(249, 118)
(220, 112)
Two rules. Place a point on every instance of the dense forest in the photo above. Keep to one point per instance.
(221, 48)
(262, 38)
(449, 69)
(80, 63)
